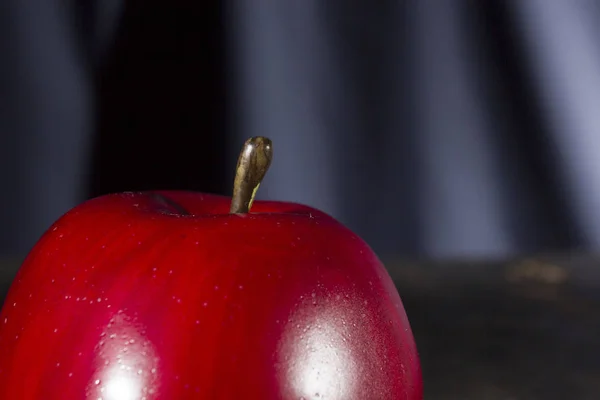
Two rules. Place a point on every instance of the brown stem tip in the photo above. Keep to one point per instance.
(253, 163)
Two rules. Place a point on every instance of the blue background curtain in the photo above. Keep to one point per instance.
(433, 128)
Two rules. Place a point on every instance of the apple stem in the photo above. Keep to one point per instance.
(253, 163)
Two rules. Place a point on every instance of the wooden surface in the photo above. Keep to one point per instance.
(527, 329)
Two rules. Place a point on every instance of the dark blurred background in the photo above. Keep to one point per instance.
(435, 129)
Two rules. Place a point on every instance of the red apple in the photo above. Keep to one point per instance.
(168, 295)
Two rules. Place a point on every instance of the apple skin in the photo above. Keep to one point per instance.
(165, 295)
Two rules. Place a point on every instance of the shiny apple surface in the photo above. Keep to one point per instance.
(168, 296)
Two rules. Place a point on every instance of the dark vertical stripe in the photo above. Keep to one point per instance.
(161, 101)
(540, 219)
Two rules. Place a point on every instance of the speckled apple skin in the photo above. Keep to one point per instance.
(167, 296)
